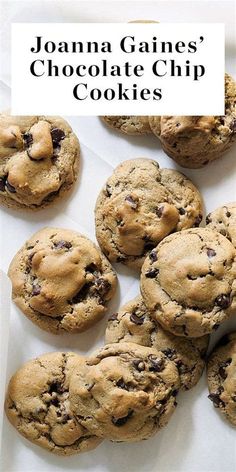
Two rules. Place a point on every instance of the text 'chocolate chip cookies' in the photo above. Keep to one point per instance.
(124, 392)
(37, 404)
(189, 282)
(39, 160)
(133, 323)
(61, 281)
(139, 205)
(221, 373)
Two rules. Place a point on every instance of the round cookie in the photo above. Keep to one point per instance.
(221, 373)
(194, 141)
(124, 392)
(61, 281)
(139, 205)
(37, 405)
(189, 282)
(131, 125)
(133, 324)
(39, 160)
(223, 220)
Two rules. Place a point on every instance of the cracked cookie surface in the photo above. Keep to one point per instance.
(124, 392)
(194, 141)
(221, 373)
(61, 281)
(37, 405)
(132, 125)
(223, 220)
(39, 160)
(189, 282)
(133, 323)
(139, 205)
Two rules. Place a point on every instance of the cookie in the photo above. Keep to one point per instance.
(189, 282)
(133, 323)
(223, 220)
(37, 405)
(131, 125)
(39, 160)
(124, 392)
(221, 373)
(61, 281)
(139, 205)
(194, 141)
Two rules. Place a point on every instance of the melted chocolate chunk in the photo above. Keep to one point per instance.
(222, 368)
(62, 245)
(152, 273)
(208, 218)
(138, 320)
(215, 398)
(57, 135)
(228, 214)
(157, 365)
(139, 365)
(102, 286)
(153, 256)
(10, 187)
(28, 139)
(36, 290)
(223, 300)
(55, 387)
(108, 190)
(121, 421)
(197, 221)
(211, 252)
(169, 352)
(182, 211)
(113, 317)
(131, 202)
(91, 268)
(121, 384)
(2, 183)
(159, 211)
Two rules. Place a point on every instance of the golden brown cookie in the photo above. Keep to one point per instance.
(188, 282)
(221, 373)
(139, 205)
(194, 141)
(61, 281)
(124, 392)
(39, 160)
(133, 323)
(223, 220)
(37, 405)
(131, 125)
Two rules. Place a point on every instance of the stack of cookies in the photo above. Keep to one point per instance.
(155, 345)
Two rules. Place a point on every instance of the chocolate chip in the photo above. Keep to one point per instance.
(159, 211)
(233, 125)
(121, 421)
(102, 286)
(55, 387)
(208, 219)
(113, 317)
(153, 256)
(182, 211)
(197, 220)
(169, 352)
(149, 245)
(62, 245)
(223, 300)
(215, 398)
(108, 190)
(56, 151)
(90, 386)
(139, 365)
(57, 135)
(36, 290)
(216, 326)
(50, 196)
(2, 184)
(211, 252)
(181, 367)
(121, 384)
(55, 402)
(152, 273)
(10, 187)
(138, 320)
(131, 202)
(228, 214)
(157, 365)
(222, 368)
(28, 139)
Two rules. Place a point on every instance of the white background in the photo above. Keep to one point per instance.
(180, 95)
(197, 438)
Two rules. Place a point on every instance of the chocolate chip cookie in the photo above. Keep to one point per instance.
(37, 405)
(189, 282)
(221, 374)
(133, 324)
(194, 141)
(139, 205)
(61, 281)
(39, 160)
(131, 125)
(124, 392)
(223, 220)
